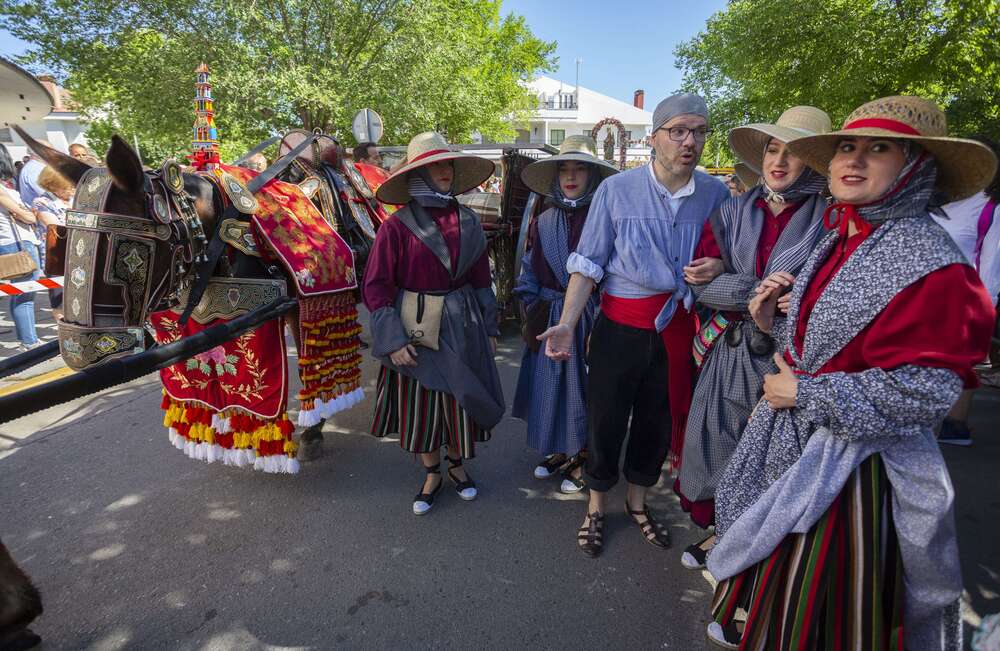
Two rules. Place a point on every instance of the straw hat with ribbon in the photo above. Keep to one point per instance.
(749, 142)
(431, 147)
(538, 176)
(964, 167)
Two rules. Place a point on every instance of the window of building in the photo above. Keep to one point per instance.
(5, 135)
(628, 136)
(556, 136)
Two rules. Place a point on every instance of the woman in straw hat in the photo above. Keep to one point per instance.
(550, 394)
(434, 315)
(769, 230)
(835, 513)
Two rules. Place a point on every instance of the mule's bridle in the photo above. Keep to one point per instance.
(91, 332)
(86, 335)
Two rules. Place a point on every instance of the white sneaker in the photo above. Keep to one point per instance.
(717, 636)
(568, 486)
(468, 494)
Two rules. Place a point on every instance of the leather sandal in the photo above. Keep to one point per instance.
(652, 532)
(423, 502)
(466, 489)
(549, 465)
(590, 539)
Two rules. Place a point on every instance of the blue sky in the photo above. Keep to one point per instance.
(624, 44)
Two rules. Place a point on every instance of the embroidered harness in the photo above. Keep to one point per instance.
(120, 267)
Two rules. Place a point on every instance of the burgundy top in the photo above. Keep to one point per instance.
(575, 220)
(770, 231)
(942, 321)
(401, 261)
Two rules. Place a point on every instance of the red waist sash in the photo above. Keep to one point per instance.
(634, 312)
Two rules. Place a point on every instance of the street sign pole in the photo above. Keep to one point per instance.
(367, 126)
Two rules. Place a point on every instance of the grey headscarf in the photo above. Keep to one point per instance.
(561, 201)
(679, 104)
(807, 183)
(908, 196)
(422, 190)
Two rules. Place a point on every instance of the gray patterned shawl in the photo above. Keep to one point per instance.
(737, 226)
(790, 463)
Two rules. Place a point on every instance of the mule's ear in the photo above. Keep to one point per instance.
(67, 166)
(125, 166)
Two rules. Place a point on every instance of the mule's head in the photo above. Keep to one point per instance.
(133, 237)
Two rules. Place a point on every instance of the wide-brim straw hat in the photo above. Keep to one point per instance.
(749, 177)
(749, 142)
(964, 167)
(425, 149)
(538, 176)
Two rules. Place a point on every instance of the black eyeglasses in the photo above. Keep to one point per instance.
(680, 134)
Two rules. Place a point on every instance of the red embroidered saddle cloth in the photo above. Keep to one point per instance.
(249, 372)
(316, 257)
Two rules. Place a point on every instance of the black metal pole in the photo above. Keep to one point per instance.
(28, 359)
(126, 369)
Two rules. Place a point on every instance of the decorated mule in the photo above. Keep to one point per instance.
(196, 275)
(336, 187)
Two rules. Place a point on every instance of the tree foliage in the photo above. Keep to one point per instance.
(759, 57)
(451, 65)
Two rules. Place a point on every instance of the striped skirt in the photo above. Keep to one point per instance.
(839, 586)
(424, 419)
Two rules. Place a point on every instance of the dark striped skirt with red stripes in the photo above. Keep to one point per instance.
(839, 586)
(424, 419)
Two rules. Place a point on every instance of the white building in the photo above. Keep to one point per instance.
(566, 110)
(40, 107)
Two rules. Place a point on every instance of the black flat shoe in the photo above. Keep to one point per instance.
(549, 465)
(571, 484)
(423, 502)
(652, 531)
(694, 555)
(727, 637)
(466, 488)
(590, 539)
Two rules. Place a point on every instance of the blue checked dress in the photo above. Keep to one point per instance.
(551, 396)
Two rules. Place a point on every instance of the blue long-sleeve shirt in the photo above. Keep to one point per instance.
(635, 244)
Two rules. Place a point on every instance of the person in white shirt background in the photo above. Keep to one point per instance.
(974, 224)
(50, 209)
(17, 233)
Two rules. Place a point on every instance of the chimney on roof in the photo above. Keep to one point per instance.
(638, 98)
(49, 82)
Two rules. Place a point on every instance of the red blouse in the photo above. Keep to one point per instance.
(401, 261)
(770, 231)
(943, 320)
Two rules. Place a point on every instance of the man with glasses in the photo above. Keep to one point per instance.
(641, 233)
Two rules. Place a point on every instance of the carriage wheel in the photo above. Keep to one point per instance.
(502, 271)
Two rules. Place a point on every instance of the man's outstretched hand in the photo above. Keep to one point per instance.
(558, 342)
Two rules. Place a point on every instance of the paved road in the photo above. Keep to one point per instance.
(135, 546)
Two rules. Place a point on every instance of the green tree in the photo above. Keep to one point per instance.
(758, 57)
(452, 65)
